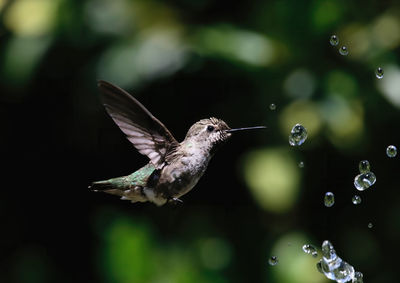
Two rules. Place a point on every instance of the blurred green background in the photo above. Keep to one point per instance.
(186, 60)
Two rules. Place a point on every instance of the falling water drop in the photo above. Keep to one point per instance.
(301, 164)
(334, 40)
(379, 73)
(364, 166)
(370, 225)
(343, 50)
(298, 135)
(272, 106)
(391, 151)
(273, 260)
(329, 199)
(356, 199)
(364, 180)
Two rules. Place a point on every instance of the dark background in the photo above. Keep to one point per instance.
(188, 60)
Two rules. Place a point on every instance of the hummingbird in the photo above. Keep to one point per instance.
(174, 168)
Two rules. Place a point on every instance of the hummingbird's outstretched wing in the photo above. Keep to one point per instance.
(149, 136)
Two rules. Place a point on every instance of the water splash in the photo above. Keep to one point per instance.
(310, 249)
(334, 268)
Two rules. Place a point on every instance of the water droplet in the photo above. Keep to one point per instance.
(391, 151)
(379, 73)
(334, 40)
(272, 106)
(356, 199)
(298, 135)
(333, 267)
(364, 180)
(328, 252)
(310, 249)
(358, 277)
(370, 225)
(343, 51)
(273, 260)
(329, 199)
(301, 164)
(364, 166)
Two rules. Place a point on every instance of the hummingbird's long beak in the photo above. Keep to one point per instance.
(244, 129)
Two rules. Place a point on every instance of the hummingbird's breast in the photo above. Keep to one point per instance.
(182, 174)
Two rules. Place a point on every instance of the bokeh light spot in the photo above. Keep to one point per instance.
(215, 253)
(158, 54)
(341, 83)
(31, 17)
(2, 3)
(389, 85)
(22, 56)
(386, 31)
(299, 84)
(344, 119)
(325, 14)
(360, 38)
(244, 46)
(273, 178)
(128, 252)
(109, 16)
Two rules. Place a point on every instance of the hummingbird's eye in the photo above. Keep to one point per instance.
(210, 128)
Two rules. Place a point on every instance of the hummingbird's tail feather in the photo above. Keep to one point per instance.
(112, 187)
(109, 187)
(101, 186)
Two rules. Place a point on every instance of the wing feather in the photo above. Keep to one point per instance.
(147, 134)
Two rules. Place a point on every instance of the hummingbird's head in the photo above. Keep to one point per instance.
(209, 132)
